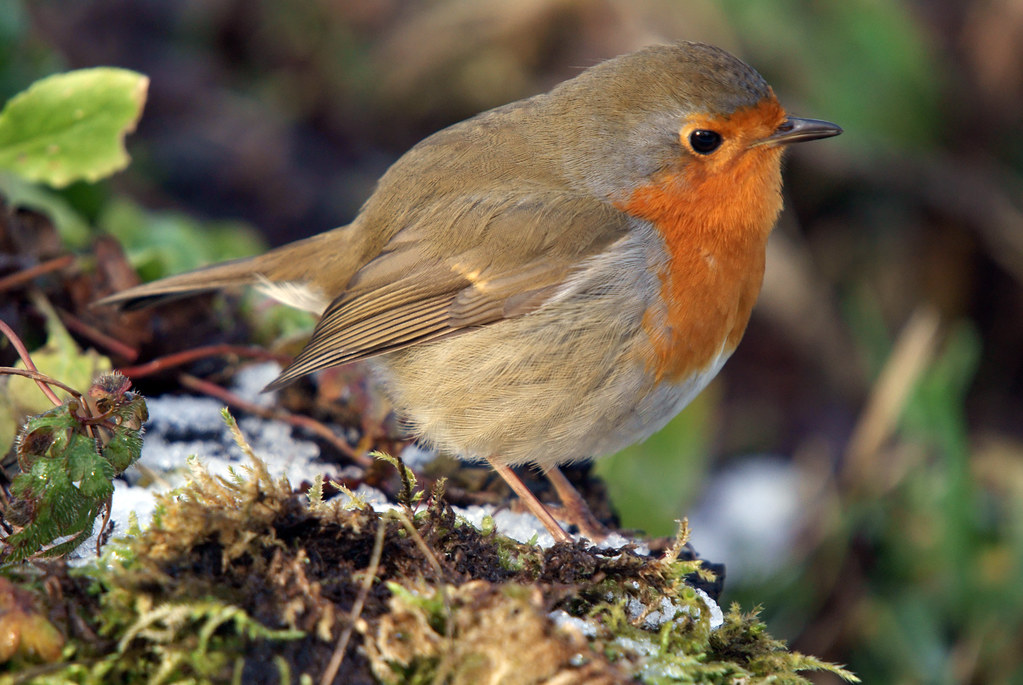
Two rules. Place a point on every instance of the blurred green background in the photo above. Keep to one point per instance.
(883, 369)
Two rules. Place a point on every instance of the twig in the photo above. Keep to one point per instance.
(40, 378)
(23, 353)
(305, 422)
(103, 528)
(445, 664)
(26, 275)
(420, 543)
(188, 356)
(83, 329)
(338, 657)
(909, 358)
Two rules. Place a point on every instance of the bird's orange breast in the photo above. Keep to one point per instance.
(714, 220)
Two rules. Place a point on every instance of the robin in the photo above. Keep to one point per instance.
(554, 279)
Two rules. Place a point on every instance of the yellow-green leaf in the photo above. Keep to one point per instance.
(71, 126)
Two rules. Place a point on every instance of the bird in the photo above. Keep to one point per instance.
(554, 279)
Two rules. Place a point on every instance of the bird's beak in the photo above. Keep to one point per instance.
(796, 130)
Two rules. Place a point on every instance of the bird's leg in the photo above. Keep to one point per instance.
(532, 503)
(576, 509)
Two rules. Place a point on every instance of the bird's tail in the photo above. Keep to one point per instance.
(238, 272)
(283, 273)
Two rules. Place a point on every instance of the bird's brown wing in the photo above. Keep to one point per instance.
(493, 259)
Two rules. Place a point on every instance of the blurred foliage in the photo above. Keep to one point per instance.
(164, 243)
(24, 56)
(73, 228)
(914, 578)
(25, 631)
(679, 455)
(851, 58)
(911, 569)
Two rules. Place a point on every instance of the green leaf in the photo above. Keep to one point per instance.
(59, 510)
(98, 485)
(41, 435)
(18, 193)
(82, 458)
(71, 126)
(124, 448)
(68, 471)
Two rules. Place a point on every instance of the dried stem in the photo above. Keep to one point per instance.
(305, 422)
(73, 323)
(338, 657)
(41, 381)
(40, 378)
(172, 360)
(26, 275)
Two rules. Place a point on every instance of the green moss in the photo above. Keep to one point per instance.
(238, 577)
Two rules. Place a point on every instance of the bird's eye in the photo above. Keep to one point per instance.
(704, 141)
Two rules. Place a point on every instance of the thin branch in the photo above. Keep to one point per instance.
(305, 422)
(41, 378)
(912, 352)
(420, 543)
(23, 353)
(26, 275)
(338, 657)
(180, 358)
(73, 323)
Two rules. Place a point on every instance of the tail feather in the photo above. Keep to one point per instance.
(239, 272)
(284, 271)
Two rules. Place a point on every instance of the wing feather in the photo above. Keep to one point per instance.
(504, 259)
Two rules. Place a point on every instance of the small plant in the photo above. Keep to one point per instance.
(69, 457)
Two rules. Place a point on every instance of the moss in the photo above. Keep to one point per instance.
(479, 632)
(240, 579)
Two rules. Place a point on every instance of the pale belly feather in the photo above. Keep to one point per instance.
(566, 382)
